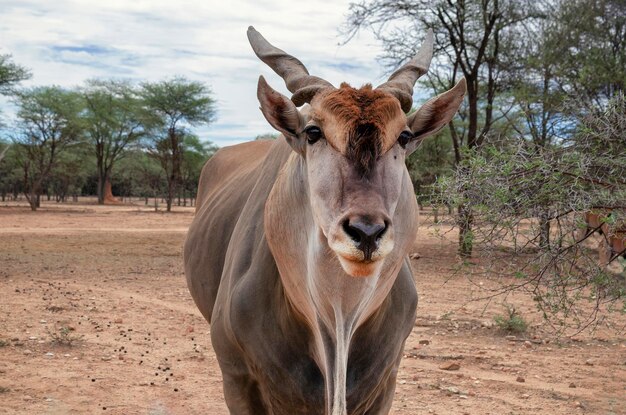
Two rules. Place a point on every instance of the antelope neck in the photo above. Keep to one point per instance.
(332, 303)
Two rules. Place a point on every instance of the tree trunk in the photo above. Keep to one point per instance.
(171, 189)
(466, 236)
(101, 188)
(32, 199)
(108, 193)
(472, 103)
(544, 230)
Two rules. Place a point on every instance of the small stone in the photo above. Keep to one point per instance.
(453, 389)
(528, 344)
(27, 351)
(49, 354)
(572, 385)
(520, 379)
(42, 321)
(525, 396)
(415, 255)
(425, 342)
(450, 366)
(589, 362)
(579, 404)
(118, 321)
(106, 358)
(511, 338)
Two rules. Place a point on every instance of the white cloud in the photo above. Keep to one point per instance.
(65, 42)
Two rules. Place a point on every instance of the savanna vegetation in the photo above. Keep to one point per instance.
(105, 134)
(539, 141)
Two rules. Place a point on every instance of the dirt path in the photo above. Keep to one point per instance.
(113, 278)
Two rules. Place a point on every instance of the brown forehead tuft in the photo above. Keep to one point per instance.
(360, 106)
(362, 116)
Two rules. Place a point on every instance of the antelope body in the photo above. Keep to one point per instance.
(297, 256)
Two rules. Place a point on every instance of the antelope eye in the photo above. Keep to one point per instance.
(404, 138)
(313, 134)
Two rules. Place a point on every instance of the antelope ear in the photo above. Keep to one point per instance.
(281, 113)
(435, 114)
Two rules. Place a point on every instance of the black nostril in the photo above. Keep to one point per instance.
(365, 235)
(351, 231)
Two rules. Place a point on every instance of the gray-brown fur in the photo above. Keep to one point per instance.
(297, 256)
(261, 342)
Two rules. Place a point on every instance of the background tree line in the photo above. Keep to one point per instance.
(539, 141)
(69, 142)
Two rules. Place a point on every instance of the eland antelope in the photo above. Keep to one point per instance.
(297, 255)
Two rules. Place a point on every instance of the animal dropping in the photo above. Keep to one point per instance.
(298, 253)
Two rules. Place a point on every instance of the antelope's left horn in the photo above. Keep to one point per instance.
(302, 85)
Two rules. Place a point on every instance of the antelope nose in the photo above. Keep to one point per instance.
(365, 234)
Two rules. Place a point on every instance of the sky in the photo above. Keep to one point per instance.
(65, 42)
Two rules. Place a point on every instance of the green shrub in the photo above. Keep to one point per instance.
(512, 322)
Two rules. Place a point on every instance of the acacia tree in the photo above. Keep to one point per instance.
(141, 175)
(540, 117)
(11, 74)
(10, 172)
(178, 104)
(508, 183)
(195, 154)
(47, 123)
(470, 39)
(4, 151)
(114, 119)
(70, 173)
(589, 39)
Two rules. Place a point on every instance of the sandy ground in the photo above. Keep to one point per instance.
(112, 278)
